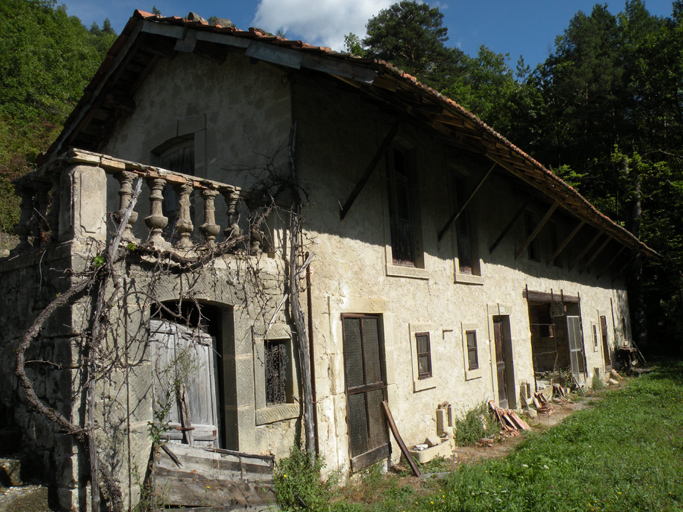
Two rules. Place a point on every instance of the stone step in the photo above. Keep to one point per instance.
(10, 473)
(28, 498)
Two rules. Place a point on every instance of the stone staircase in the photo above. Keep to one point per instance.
(15, 494)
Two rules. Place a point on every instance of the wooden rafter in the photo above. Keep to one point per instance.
(509, 225)
(609, 264)
(585, 250)
(595, 254)
(537, 229)
(565, 242)
(457, 214)
(343, 210)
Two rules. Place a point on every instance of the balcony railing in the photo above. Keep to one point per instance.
(67, 199)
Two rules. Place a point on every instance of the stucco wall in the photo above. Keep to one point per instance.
(352, 270)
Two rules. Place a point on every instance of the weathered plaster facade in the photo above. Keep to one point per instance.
(242, 116)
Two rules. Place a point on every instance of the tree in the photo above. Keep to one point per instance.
(410, 35)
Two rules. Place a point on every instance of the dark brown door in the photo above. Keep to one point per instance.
(365, 390)
(605, 344)
(500, 362)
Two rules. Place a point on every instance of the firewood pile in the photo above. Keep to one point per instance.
(509, 420)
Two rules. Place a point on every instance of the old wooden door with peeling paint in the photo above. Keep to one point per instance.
(185, 375)
(575, 341)
(365, 390)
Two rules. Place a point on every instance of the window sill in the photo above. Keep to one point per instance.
(410, 272)
(275, 413)
(424, 384)
(468, 279)
(473, 374)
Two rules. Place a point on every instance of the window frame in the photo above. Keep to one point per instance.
(424, 354)
(471, 373)
(424, 382)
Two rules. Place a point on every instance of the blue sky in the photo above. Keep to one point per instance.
(516, 27)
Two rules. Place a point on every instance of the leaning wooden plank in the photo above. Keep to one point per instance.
(399, 439)
(508, 420)
(519, 421)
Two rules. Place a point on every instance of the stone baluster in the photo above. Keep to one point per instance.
(255, 240)
(55, 201)
(183, 225)
(23, 227)
(125, 179)
(232, 198)
(156, 221)
(210, 229)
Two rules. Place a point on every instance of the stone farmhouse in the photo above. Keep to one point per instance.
(437, 267)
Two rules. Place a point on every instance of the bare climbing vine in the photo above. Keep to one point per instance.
(114, 294)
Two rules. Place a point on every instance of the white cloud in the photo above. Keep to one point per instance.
(319, 22)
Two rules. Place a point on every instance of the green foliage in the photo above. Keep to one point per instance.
(46, 59)
(597, 383)
(298, 483)
(477, 424)
(411, 36)
(625, 453)
(353, 45)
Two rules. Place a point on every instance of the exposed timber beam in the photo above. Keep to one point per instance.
(609, 264)
(457, 214)
(585, 250)
(343, 210)
(565, 243)
(537, 229)
(595, 254)
(625, 266)
(509, 225)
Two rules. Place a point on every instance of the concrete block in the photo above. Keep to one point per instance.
(83, 201)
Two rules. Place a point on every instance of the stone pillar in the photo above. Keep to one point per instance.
(125, 180)
(53, 214)
(156, 221)
(210, 229)
(232, 198)
(23, 227)
(183, 225)
(83, 203)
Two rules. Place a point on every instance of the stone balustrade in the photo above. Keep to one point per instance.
(67, 199)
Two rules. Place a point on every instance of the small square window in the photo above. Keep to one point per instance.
(424, 355)
(472, 357)
(276, 371)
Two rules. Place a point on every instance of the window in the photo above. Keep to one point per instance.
(402, 209)
(595, 337)
(472, 356)
(276, 371)
(467, 258)
(424, 355)
(532, 250)
(177, 155)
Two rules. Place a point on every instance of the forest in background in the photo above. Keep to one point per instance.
(604, 112)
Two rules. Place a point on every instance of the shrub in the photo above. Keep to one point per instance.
(299, 486)
(477, 424)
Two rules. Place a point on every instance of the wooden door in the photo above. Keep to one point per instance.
(605, 345)
(501, 372)
(365, 390)
(185, 378)
(575, 341)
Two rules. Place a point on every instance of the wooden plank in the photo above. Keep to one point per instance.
(537, 229)
(509, 225)
(399, 439)
(457, 214)
(519, 422)
(585, 250)
(565, 242)
(368, 170)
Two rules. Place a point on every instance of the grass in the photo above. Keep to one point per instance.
(625, 453)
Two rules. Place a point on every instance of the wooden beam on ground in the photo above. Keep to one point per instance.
(457, 214)
(614, 258)
(368, 170)
(595, 254)
(509, 225)
(537, 229)
(399, 439)
(565, 242)
(585, 250)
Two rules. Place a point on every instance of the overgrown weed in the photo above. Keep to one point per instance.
(477, 424)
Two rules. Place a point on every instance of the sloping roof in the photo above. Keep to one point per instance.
(148, 37)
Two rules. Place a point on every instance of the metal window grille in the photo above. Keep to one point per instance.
(424, 355)
(276, 372)
(472, 356)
